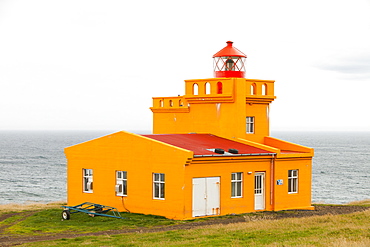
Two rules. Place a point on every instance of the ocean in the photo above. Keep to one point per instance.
(33, 165)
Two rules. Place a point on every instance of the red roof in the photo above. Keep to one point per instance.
(229, 50)
(204, 144)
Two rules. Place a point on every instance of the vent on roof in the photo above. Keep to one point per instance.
(233, 151)
(219, 151)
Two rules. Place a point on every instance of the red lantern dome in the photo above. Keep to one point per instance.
(229, 62)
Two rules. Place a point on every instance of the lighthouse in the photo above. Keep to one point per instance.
(210, 154)
(229, 62)
(228, 105)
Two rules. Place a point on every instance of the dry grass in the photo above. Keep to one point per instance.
(328, 230)
(6, 208)
(342, 242)
(362, 203)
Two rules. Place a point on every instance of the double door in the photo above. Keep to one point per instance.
(206, 196)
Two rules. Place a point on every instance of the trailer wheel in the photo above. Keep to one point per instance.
(66, 215)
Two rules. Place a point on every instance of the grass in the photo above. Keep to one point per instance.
(330, 230)
(47, 219)
(8, 208)
(339, 230)
(365, 203)
(50, 221)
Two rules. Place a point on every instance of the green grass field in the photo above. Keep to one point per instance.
(330, 230)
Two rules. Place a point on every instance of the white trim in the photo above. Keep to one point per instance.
(293, 182)
(250, 125)
(160, 182)
(87, 180)
(121, 180)
(235, 182)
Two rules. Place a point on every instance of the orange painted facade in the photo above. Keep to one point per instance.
(277, 177)
(221, 113)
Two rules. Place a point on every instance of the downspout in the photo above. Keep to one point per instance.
(272, 184)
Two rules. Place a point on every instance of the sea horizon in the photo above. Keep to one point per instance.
(34, 165)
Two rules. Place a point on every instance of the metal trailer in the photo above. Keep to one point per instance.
(91, 209)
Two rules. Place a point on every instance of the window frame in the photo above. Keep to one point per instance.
(234, 185)
(293, 181)
(121, 180)
(159, 182)
(87, 180)
(250, 125)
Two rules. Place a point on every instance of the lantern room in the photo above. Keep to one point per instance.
(229, 62)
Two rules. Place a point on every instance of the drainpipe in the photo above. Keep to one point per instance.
(272, 182)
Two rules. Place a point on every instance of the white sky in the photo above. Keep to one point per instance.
(95, 65)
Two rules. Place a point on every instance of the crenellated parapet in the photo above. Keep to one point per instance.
(212, 90)
(259, 91)
(216, 90)
(170, 104)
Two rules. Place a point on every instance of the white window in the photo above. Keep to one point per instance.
(195, 89)
(264, 89)
(292, 181)
(236, 184)
(158, 185)
(253, 89)
(121, 183)
(87, 180)
(207, 88)
(250, 125)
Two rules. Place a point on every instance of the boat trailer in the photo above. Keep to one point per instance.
(91, 209)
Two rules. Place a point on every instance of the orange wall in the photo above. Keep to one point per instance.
(279, 200)
(223, 169)
(302, 199)
(259, 112)
(140, 157)
(220, 114)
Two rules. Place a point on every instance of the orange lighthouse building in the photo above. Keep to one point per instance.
(210, 154)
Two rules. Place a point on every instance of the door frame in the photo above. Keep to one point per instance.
(208, 210)
(261, 195)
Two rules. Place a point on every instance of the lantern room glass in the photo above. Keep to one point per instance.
(229, 63)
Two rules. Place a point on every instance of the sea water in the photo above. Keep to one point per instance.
(33, 165)
(341, 165)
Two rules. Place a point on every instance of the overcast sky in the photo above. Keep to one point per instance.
(95, 65)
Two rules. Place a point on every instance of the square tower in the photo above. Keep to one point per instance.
(228, 105)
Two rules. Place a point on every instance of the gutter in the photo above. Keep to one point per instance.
(232, 155)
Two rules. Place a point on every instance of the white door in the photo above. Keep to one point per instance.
(259, 191)
(206, 196)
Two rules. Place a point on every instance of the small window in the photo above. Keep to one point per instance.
(250, 125)
(195, 89)
(121, 183)
(171, 103)
(219, 87)
(88, 180)
(264, 89)
(158, 186)
(180, 103)
(207, 88)
(236, 184)
(161, 103)
(292, 181)
(253, 89)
